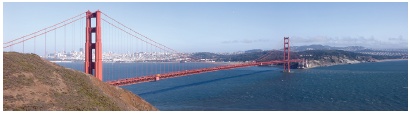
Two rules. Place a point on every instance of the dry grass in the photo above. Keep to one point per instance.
(31, 83)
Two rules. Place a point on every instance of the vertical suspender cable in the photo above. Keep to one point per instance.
(163, 61)
(34, 45)
(74, 36)
(112, 53)
(135, 57)
(45, 44)
(129, 54)
(109, 53)
(165, 58)
(55, 44)
(158, 60)
(144, 65)
(152, 55)
(65, 39)
(119, 43)
(23, 45)
(146, 58)
(127, 47)
(118, 48)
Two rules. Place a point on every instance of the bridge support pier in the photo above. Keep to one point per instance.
(95, 67)
(157, 77)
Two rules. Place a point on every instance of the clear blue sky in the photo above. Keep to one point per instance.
(229, 27)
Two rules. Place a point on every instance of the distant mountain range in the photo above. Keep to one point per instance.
(316, 50)
(348, 48)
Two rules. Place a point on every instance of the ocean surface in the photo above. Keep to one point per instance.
(366, 86)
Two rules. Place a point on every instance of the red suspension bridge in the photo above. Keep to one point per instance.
(116, 36)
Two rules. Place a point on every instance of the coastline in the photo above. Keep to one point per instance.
(387, 60)
(326, 64)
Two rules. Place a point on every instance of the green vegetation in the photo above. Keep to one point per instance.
(31, 83)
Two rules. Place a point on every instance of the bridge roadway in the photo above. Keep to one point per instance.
(141, 79)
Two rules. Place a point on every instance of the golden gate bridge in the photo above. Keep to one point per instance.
(104, 32)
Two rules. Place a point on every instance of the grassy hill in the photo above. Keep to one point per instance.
(31, 83)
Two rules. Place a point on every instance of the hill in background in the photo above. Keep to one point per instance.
(31, 83)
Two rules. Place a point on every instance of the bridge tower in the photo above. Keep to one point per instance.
(286, 54)
(95, 67)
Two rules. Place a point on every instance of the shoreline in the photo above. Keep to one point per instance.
(388, 60)
(335, 64)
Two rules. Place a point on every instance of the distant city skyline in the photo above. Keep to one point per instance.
(230, 27)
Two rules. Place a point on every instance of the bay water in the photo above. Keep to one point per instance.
(372, 86)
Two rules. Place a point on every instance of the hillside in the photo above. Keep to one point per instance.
(31, 83)
(324, 54)
(315, 58)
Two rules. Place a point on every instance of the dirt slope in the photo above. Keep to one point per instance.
(31, 83)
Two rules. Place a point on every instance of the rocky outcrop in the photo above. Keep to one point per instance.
(336, 60)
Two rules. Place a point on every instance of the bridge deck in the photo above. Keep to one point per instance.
(141, 79)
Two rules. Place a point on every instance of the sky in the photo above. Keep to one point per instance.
(231, 27)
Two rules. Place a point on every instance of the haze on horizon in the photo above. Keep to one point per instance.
(230, 27)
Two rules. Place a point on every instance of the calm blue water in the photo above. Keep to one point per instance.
(365, 86)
